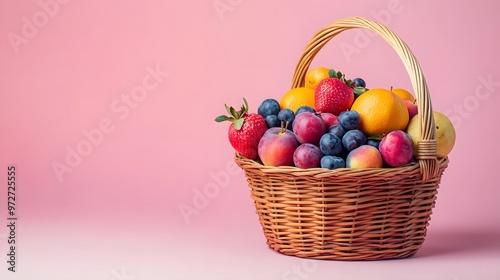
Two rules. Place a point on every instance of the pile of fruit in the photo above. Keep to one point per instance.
(333, 123)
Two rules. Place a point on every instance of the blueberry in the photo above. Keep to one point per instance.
(344, 153)
(373, 142)
(332, 162)
(272, 121)
(269, 107)
(305, 108)
(330, 144)
(349, 119)
(353, 139)
(286, 116)
(338, 130)
(358, 82)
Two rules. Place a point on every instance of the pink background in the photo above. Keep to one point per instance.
(116, 214)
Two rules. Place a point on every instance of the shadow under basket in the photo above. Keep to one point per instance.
(351, 214)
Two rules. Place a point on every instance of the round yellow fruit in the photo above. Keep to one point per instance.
(294, 98)
(403, 93)
(445, 133)
(380, 112)
(316, 75)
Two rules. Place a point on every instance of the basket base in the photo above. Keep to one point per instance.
(345, 214)
(348, 247)
(345, 256)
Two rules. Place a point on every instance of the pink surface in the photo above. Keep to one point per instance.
(107, 112)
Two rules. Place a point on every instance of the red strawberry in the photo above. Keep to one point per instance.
(333, 95)
(245, 131)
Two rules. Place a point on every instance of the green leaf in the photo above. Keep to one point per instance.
(376, 136)
(222, 118)
(234, 113)
(245, 101)
(238, 124)
(339, 75)
(228, 109)
(359, 90)
(332, 73)
(244, 108)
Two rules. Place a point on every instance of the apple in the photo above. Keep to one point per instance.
(365, 156)
(276, 147)
(396, 148)
(412, 107)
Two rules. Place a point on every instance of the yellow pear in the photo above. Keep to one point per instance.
(445, 133)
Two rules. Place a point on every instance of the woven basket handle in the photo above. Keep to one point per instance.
(426, 149)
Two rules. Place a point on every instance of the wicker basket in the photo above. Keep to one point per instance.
(350, 214)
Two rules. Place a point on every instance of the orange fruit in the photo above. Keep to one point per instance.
(315, 75)
(403, 93)
(380, 112)
(294, 98)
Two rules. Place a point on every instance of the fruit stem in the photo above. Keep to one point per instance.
(283, 127)
(236, 117)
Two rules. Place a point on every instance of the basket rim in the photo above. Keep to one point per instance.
(319, 172)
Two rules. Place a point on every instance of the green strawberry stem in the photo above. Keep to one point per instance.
(350, 83)
(376, 136)
(236, 117)
(359, 90)
(332, 73)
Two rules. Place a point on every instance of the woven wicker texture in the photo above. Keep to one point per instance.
(350, 214)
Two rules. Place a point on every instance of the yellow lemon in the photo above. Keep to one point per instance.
(445, 133)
